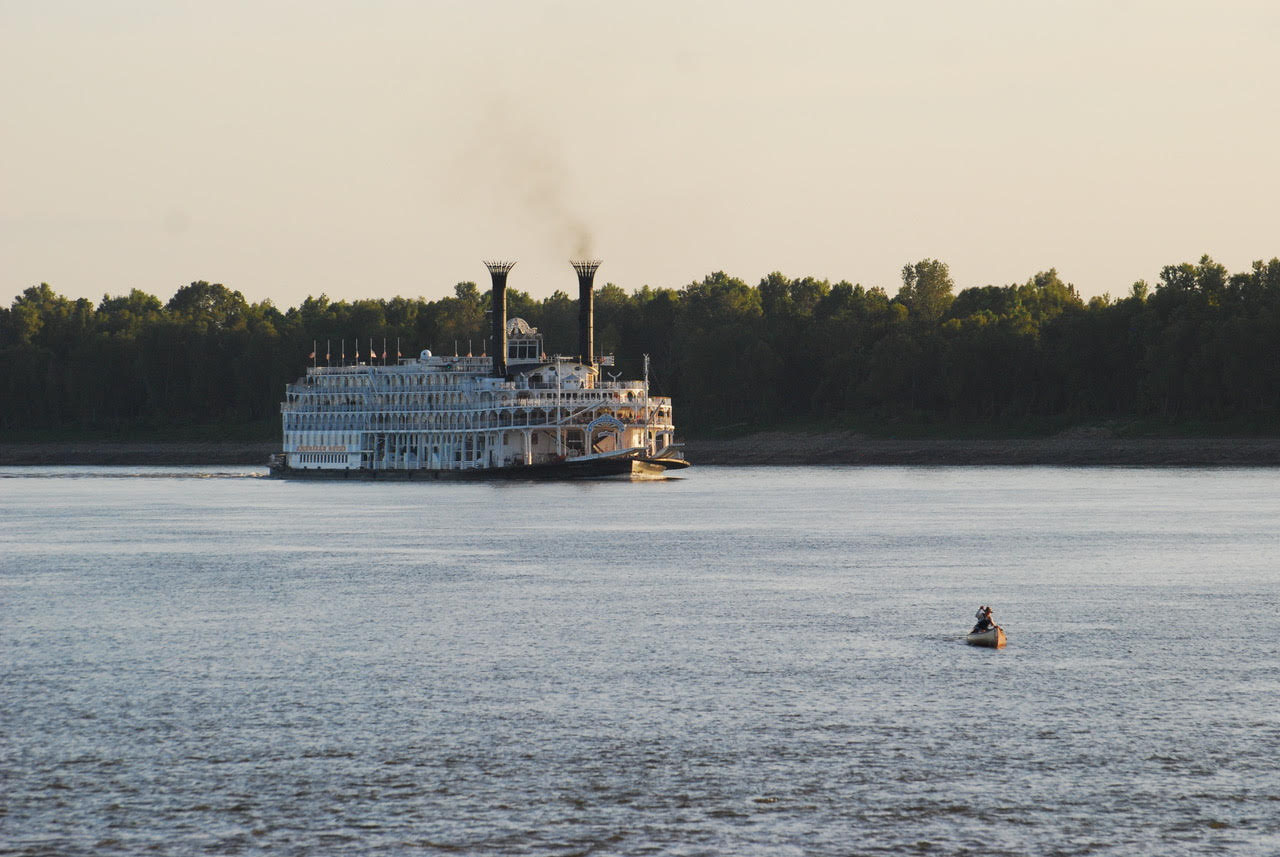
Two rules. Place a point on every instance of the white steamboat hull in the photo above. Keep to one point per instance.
(577, 468)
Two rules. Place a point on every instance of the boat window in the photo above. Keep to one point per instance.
(522, 349)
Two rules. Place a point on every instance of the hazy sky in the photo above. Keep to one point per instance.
(383, 147)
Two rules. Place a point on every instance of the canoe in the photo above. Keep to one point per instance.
(992, 638)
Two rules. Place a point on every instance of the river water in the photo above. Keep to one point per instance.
(738, 661)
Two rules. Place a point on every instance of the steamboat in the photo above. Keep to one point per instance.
(518, 414)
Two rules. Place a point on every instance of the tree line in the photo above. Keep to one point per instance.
(1198, 347)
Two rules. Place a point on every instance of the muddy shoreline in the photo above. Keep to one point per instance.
(1075, 449)
(135, 453)
(766, 448)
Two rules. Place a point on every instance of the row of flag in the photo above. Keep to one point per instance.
(371, 353)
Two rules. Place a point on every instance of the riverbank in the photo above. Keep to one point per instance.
(1079, 448)
(136, 453)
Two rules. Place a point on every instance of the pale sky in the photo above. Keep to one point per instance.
(384, 147)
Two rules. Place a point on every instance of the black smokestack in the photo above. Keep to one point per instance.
(586, 309)
(498, 273)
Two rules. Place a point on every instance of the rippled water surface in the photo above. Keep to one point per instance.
(740, 661)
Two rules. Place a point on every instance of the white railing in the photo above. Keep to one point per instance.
(564, 402)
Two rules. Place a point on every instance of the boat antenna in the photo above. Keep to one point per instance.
(648, 439)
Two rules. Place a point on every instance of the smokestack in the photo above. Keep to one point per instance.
(498, 273)
(586, 269)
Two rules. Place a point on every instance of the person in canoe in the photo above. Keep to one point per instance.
(985, 622)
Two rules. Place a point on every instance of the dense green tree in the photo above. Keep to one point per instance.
(207, 305)
(127, 314)
(926, 289)
(1199, 346)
